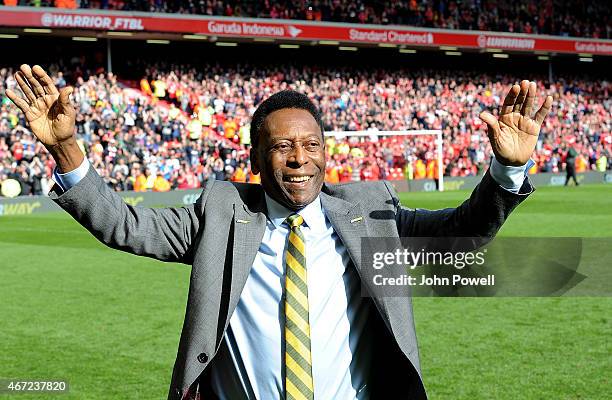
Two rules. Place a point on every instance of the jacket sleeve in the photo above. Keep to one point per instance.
(482, 215)
(166, 234)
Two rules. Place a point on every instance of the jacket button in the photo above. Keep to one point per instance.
(202, 357)
(178, 393)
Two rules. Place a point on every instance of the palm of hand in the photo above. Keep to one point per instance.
(48, 121)
(516, 137)
(515, 133)
(49, 113)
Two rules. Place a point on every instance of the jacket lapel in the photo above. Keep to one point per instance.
(249, 226)
(348, 222)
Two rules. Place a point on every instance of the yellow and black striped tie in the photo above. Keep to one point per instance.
(298, 362)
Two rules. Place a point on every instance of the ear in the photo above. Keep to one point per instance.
(254, 160)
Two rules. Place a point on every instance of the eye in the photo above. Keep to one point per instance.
(282, 147)
(312, 146)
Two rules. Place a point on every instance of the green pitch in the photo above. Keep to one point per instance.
(109, 322)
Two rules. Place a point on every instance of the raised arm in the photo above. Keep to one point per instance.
(166, 234)
(513, 138)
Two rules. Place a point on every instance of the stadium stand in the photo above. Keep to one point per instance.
(553, 17)
(179, 126)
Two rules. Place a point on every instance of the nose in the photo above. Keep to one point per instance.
(297, 157)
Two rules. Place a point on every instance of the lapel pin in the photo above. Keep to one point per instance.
(242, 221)
(356, 220)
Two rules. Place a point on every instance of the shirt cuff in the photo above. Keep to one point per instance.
(70, 179)
(509, 177)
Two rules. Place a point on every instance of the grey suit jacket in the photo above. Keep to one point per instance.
(220, 235)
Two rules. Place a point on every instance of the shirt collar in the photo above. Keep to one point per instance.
(312, 214)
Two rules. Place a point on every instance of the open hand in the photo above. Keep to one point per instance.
(515, 133)
(48, 111)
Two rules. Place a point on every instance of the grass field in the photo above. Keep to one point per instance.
(109, 322)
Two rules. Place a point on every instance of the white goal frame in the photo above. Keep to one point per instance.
(435, 132)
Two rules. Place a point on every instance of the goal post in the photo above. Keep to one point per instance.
(431, 132)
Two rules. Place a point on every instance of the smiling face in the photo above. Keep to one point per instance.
(290, 156)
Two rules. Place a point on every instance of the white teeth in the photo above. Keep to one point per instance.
(299, 178)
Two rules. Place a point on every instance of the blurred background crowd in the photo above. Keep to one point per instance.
(180, 125)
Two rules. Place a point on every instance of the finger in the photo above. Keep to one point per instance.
(510, 99)
(518, 104)
(489, 119)
(19, 102)
(25, 87)
(64, 96)
(47, 82)
(544, 110)
(36, 86)
(528, 104)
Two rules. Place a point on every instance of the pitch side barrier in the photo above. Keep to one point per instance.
(27, 205)
(470, 182)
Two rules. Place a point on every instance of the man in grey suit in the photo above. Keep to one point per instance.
(275, 307)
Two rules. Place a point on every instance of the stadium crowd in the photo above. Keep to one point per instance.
(181, 126)
(555, 17)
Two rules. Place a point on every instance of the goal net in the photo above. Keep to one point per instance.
(433, 137)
